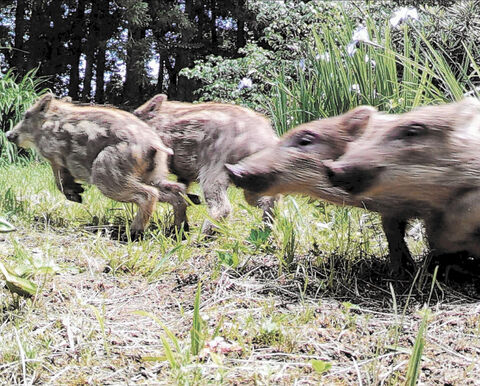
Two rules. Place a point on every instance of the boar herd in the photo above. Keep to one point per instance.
(420, 164)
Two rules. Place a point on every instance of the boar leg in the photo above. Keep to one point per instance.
(66, 183)
(117, 176)
(458, 228)
(215, 191)
(263, 202)
(171, 192)
(400, 258)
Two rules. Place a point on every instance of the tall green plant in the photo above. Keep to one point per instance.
(17, 94)
(338, 74)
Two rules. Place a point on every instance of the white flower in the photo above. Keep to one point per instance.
(352, 48)
(359, 35)
(355, 88)
(402, 15)
(301, 63)
(245, 83)
(325, 56)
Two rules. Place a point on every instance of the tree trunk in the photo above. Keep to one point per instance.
(161, 75)
(213, 27)
(135, 70)
(103, 26)
(90, 53)
(241, 41)
(100, 73)
(19, 55)
(76, 50)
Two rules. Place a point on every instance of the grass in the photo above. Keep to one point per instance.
(304, 302)
(307, 302)
(329, 80)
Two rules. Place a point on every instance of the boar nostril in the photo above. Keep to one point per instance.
(11, 136)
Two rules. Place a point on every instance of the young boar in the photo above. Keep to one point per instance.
(106, 147)
(430, 156)
(204, 137)
(295, 165)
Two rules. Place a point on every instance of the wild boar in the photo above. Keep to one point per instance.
(204, 137)
(430, 156)
(106, 147)
(295, 165)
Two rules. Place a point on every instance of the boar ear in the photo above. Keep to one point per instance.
(44, 103)
(356, 120)
(67, 99)
(156, 102)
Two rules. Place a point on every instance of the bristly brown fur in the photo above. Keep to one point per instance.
(204, 137)
(429, 156)
(297, 165)
(103, 146)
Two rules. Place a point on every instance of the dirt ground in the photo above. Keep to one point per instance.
(83, 327)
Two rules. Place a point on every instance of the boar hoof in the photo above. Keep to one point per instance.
(73, 196)
(194, 198)
(405, 269)
(173, 231)
(454, 267)
(72, 192)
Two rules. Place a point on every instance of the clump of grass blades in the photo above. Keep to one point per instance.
(16, 95)
(330, 81)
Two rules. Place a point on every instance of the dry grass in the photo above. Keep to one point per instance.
(82, 327)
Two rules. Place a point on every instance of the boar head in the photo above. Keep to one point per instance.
(23, 134)
(295, 163)
(416, 155)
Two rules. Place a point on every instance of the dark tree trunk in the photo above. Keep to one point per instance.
(241, 41)
(134, 67)
(87, 80)
(100, 73)
(102, 18)
(90, 52)
(54, 61)
(213, 27)
(37, 36)
(76, 50)
(161, 75)
(19, 55)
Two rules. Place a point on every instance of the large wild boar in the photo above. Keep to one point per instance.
(204, 137)
(429, 155)
(295, 165)
(106, 147)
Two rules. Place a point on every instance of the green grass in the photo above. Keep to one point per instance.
(329, 81)
(306, 301)
(281, 301)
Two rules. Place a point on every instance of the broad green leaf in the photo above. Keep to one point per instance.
(17, 284)
(320, 366)
(5, 226)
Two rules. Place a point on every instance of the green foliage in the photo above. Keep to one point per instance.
(196, 332)
(413, 367)
(5, 226)
(320, 366)
(332, 80)
(16, 95)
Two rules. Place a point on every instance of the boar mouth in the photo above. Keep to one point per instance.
(254, 182)
(352, 180)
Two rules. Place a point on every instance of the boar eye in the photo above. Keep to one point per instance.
(305, 140)
(412, 130)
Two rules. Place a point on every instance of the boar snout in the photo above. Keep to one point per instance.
(352, 179)
(256, 183)
(12, 136)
